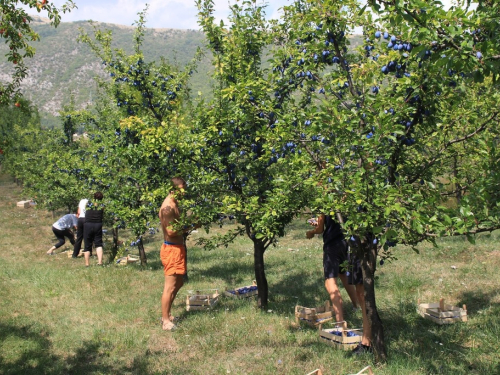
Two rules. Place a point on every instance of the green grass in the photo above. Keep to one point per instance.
(57, 317)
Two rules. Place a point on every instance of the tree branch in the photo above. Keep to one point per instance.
(452, 142)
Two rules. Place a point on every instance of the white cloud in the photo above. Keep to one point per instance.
(179, 14)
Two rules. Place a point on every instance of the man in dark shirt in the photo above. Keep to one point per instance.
(334, 255)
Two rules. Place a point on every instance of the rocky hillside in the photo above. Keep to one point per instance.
(62, 67)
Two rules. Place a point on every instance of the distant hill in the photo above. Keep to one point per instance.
(62, 67)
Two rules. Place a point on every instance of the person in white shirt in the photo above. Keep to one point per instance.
(61, 229)
(82, 207)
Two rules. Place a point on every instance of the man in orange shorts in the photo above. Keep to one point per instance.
(173, 251)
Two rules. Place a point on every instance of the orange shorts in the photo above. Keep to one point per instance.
(173, 258)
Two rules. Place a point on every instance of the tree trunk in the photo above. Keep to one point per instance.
(368, 264)
(186, 277)
(260, 275)
(142, 253)
(114, 249)
(458, 187)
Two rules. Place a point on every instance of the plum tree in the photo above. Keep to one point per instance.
(138, 140)
(395, 117)
(238, 155)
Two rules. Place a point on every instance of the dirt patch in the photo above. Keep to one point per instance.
(494, 254)
(162, 342)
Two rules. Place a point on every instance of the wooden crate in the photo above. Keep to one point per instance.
(441, 313)
(200, 301)
(314, 316)
(366, 371)
(341, 337)
(316, 372)
(23, 204)
(123, 261)
(243, 292)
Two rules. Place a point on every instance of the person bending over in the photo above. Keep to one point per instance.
(61, 229)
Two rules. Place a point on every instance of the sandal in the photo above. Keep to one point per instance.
(172, 319)
(168, 326)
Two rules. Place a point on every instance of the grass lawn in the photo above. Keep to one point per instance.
(58, 317)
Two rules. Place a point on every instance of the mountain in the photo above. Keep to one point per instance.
(62, 67)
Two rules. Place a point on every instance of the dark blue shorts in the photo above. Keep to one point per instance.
(334, 259)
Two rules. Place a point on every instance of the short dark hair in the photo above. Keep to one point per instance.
(176, 181)
(98, 195)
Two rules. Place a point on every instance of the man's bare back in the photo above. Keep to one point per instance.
(169, 214)
(173, 251)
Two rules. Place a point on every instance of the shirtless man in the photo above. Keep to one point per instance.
(173, 251)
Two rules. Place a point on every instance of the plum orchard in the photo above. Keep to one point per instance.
(397, 126)
(136, 154)
(399, 136)
(16, 31)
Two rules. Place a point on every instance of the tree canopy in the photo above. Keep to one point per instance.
(18, 34)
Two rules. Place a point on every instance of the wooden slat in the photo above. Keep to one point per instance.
(442, 313)
(316, 372)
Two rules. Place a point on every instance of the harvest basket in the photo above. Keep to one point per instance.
(441, 313)
(314, 316)
(341, 337)
(243, 292)
(198, 301)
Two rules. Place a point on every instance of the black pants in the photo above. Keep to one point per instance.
(79, 237)
(92, 234)
(60, 234)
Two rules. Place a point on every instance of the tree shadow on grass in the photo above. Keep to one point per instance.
(234, 272)
(27, 350)
(477, 300)
(420, 344)
(423, 344)
(308, 291)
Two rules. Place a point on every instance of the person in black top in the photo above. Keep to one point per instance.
(334, 257)
(92, 229)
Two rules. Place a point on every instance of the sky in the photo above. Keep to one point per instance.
(175, 14)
